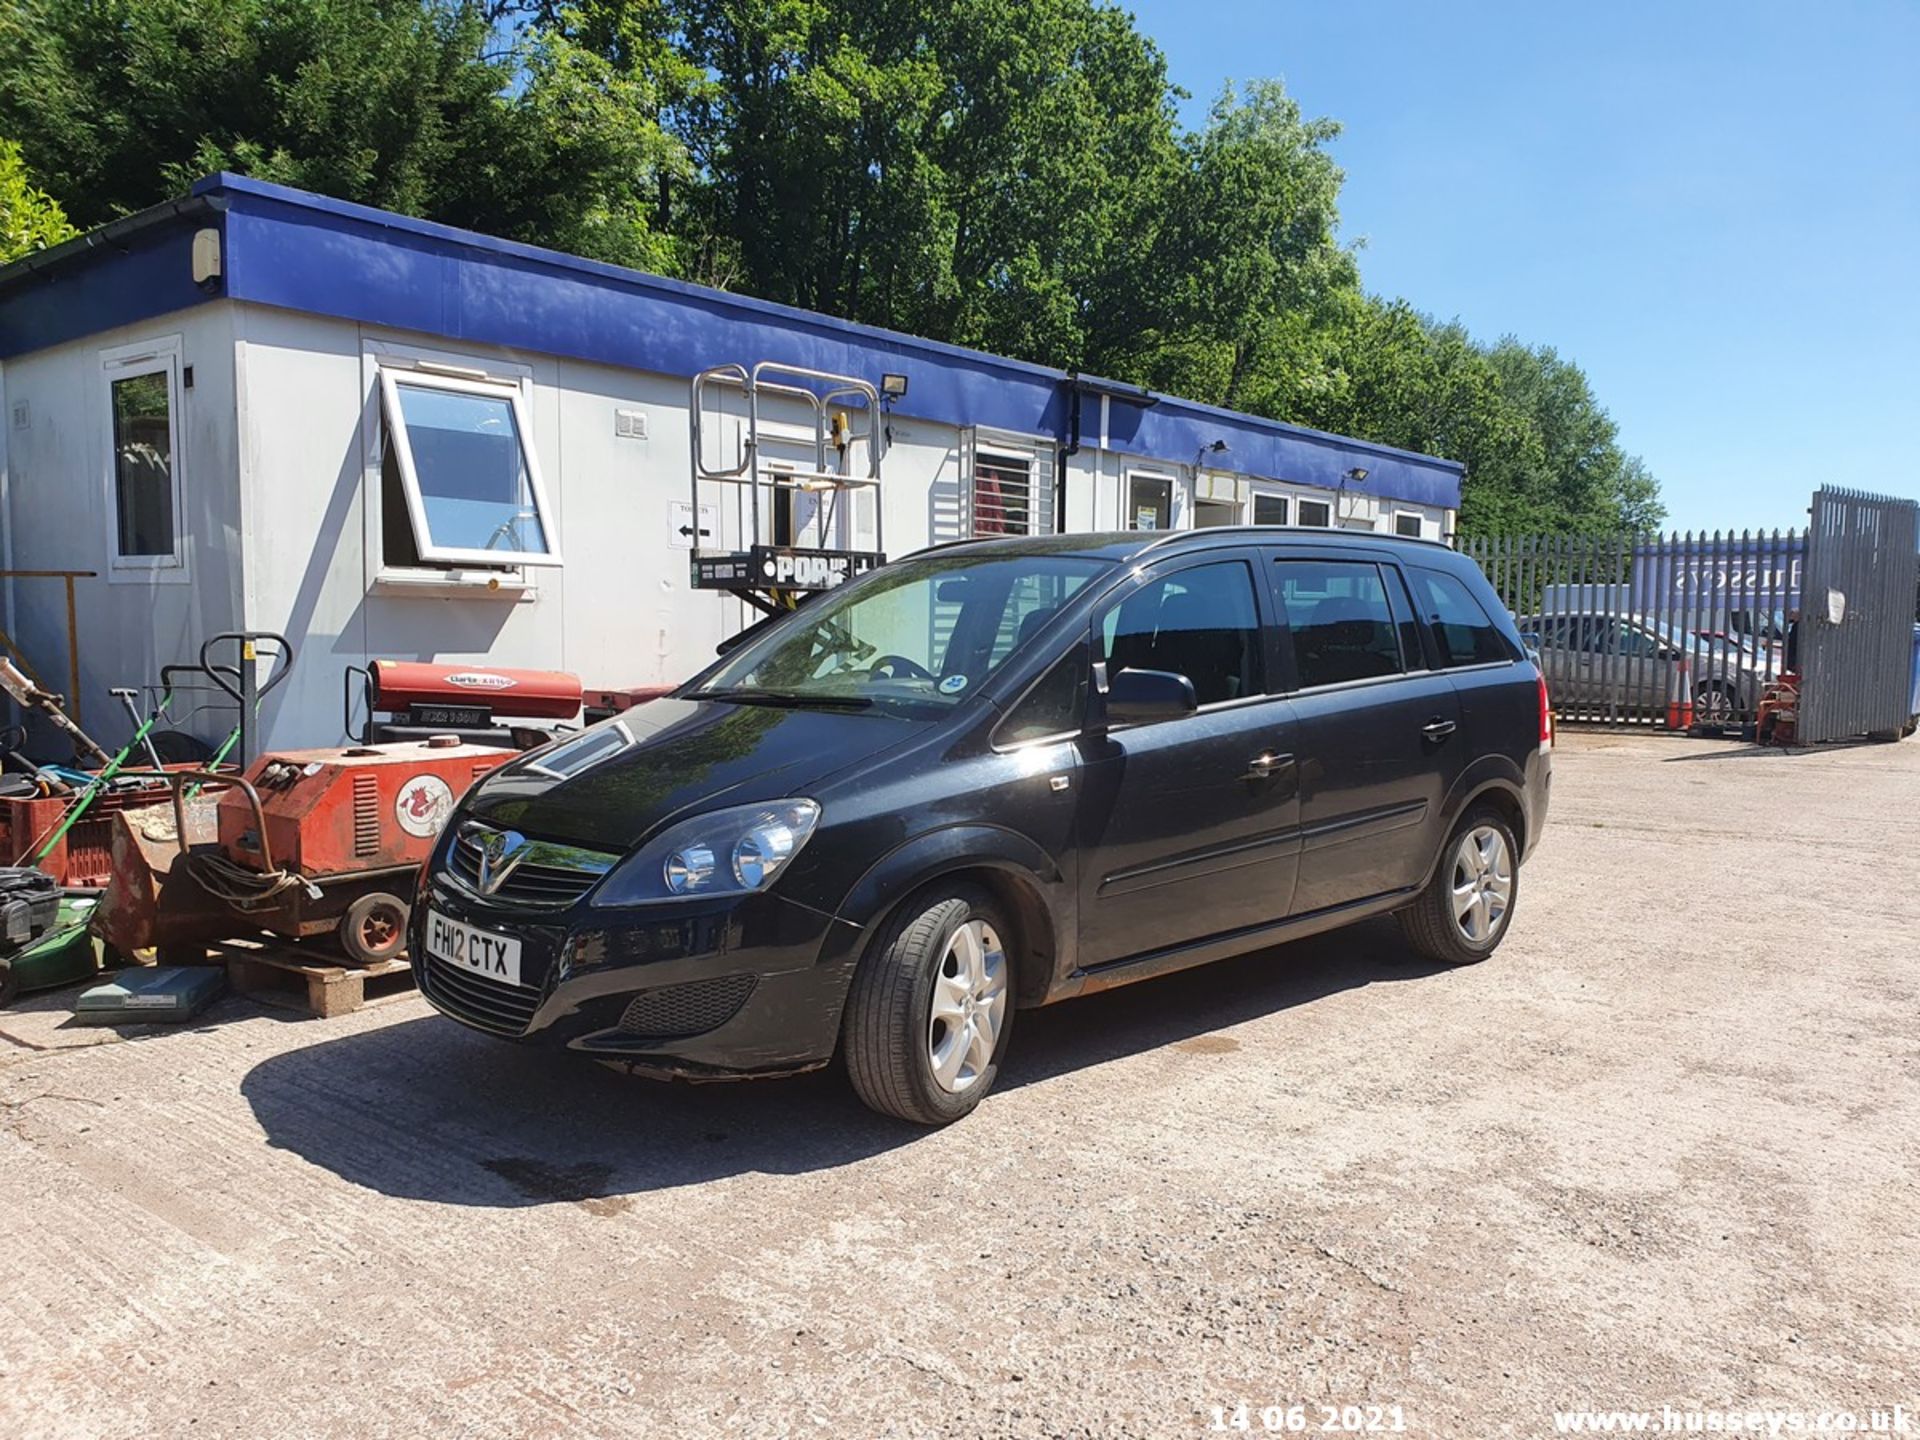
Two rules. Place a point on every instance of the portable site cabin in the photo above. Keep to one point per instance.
(258, 408)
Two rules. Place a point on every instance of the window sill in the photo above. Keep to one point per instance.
(509, 585)
(139, 572)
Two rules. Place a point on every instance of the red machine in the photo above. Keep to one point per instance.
(479, 703)
(307, 842)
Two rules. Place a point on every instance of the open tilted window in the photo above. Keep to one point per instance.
(460, 453)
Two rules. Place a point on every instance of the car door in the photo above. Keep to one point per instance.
(1188, 828)
(1376, 729)
(1627, 673)
(1561, 659)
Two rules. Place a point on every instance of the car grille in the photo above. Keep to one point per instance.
(503, 1009)
(673, 1011)
(548, 877)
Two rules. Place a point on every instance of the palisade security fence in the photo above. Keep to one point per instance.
(1672, 630)
(1689, 630)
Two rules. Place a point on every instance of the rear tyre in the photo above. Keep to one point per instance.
(1714, 707)
(1463, 914)
(9, 984)
(374, 928)
(931, 1008)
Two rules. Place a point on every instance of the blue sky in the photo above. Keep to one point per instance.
(1713, 207)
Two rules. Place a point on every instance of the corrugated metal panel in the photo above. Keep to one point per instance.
(1857, 611)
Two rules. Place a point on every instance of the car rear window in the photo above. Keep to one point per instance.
(1341, 620)
(1462, 633)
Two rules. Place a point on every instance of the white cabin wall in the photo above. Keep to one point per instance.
(58, 515)
(1098, 491)
(312, 484)
(620, 611)
(280, 469)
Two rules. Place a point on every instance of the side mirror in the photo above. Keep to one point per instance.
(1146, 697)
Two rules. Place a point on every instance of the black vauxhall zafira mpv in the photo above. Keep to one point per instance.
(994, 775)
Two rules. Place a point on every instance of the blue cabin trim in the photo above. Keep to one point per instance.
(305, 252)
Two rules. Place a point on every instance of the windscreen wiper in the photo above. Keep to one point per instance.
(748, 695)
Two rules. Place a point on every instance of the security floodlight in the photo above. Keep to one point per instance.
(1357, 474)
(894, 387)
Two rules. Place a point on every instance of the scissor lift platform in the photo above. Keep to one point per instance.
(767, 574)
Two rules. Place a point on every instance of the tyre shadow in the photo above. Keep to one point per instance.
(429, 1110)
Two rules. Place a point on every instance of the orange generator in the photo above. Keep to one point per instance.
(306, 842)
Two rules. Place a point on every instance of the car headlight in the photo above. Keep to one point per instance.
(726, 852)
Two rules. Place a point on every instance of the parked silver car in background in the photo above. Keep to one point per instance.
(1597, 663)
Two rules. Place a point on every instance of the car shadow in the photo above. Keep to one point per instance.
(429, 1110)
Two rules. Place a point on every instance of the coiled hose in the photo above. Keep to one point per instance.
(239, 887)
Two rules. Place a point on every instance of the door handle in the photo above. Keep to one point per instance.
(1438, 729)
(1261, 767)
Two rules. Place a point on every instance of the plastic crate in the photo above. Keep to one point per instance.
(84, 855)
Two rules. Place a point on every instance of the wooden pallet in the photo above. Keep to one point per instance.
(281, 973)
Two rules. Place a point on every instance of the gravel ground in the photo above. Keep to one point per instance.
(1661, 1150)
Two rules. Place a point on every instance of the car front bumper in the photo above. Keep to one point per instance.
(753, 985)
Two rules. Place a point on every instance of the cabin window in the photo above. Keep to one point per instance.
(1002, 494)
(143, 456)
(461, 482)
(1269, 509)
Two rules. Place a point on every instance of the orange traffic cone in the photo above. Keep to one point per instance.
(1680, 703)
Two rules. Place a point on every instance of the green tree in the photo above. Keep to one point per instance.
(1244, 270)
(420, 106)
(976, 170)
(1007, 174)
(30, 219)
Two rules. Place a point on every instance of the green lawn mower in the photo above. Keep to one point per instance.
(44, 936)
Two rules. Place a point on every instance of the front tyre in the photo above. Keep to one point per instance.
(1463, 913)
(931, 1008)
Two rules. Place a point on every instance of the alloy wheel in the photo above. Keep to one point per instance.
(1482, 883)
(1713, 707)
(969, 1006)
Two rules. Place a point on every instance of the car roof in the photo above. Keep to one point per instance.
(1127, 546)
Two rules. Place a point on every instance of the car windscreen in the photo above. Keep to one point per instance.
(915, 634)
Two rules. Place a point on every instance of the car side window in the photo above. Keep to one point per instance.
(1461, 630)
(1635, 643)
(1055, 705)
(1341, 620)
(1202, 622)
(1032, 602)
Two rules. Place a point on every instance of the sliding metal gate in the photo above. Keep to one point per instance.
(1662, 630)
(1857, 615)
